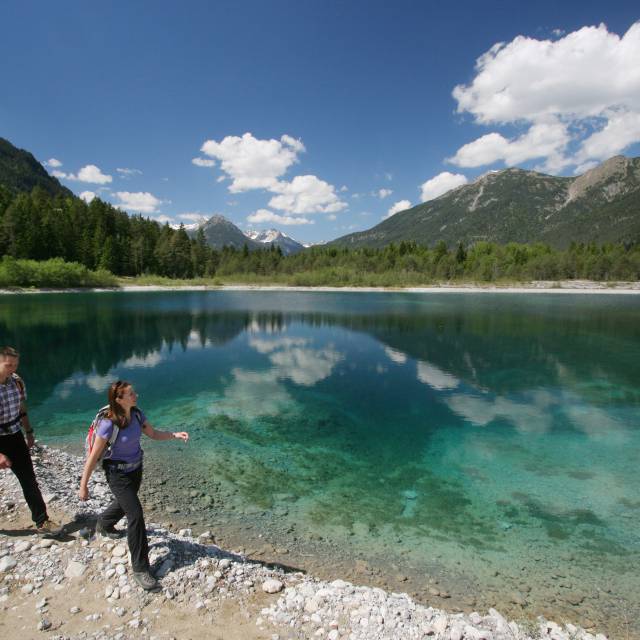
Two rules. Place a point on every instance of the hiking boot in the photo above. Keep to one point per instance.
(110, 532)
(146, 580)
(49, 529)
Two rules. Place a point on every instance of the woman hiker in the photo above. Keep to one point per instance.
(123, 469)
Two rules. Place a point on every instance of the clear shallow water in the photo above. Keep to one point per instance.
(478, 444)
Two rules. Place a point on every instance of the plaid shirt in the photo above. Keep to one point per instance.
(10, 399)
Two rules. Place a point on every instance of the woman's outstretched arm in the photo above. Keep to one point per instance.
(156, 434)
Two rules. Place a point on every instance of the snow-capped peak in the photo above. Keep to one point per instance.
(275, 238)
(265, 235)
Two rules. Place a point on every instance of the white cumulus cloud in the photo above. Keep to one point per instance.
(383, 193)
(139, 202)
(89, 173)
(52, 162)
(542, 140)
(87, 196)
(306, 194)
(264, 215)
(440, 184)
(576, 99)
(620, 129)
(92, 174)
(398, 206)
(252, 163)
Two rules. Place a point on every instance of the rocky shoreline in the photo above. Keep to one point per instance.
(81, 586)
(535, 286)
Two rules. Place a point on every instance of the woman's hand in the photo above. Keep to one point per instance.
(181, 435)
(5, 463)
(83, 493)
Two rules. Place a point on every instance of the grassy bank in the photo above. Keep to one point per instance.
(320, 278)
(56, 273)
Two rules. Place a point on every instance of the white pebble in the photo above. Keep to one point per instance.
(272, 586)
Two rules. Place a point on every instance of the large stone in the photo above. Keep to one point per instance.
(311, 605)
(75, 569)
(440, 624)
(7, 563)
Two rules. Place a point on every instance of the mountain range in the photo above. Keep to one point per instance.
(220, 232)
(514, 205)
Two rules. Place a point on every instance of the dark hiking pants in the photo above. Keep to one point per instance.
(125, 485)
(15, 448)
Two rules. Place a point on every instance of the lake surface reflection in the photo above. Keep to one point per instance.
(482, 446)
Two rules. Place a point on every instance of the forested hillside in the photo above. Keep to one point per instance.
(37, 226)
(20, 172)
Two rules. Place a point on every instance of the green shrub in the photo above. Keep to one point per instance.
(55, 273)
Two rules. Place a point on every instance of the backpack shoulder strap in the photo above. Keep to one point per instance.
(102, 415)
(19, 383)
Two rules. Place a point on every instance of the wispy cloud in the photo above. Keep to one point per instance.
(203, 162)
(128, 173)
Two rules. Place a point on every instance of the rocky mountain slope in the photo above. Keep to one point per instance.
(514, 205)
(220, 232)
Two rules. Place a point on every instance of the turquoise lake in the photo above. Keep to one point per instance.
(483, 447)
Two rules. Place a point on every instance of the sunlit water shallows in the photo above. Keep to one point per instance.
(483, 446)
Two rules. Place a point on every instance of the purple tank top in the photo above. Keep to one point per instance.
(126, 448)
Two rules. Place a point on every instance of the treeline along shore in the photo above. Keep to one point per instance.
(62, 241)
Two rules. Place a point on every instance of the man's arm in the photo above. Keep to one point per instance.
(26, 424)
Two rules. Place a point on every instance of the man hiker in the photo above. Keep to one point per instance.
(14, 451)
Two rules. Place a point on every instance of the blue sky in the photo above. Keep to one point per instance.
(315, 117)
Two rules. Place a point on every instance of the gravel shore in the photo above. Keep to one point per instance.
(536, 286)
(80, 586)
